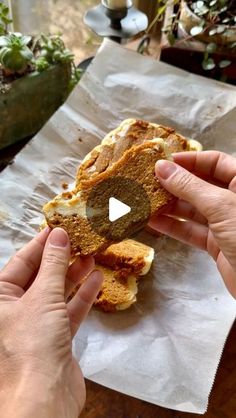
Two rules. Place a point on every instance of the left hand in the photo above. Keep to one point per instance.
(38, 374)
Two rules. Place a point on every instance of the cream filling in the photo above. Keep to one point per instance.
(76, 206)
(110, 138)
(66, 207)
(133, 288)
(148, 259)
(122, 129)
(194, 145)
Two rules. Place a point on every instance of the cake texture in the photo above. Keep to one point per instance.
(129, 152)
(128, 257)
(116, 294)
(123, 265)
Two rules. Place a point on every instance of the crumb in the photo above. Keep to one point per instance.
(64, 186)
(67, 195)
(80, 139)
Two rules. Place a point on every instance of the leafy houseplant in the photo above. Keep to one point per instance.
(211, 22)
(15, 55)
(36, 76)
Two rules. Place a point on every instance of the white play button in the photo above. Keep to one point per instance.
(117, 209)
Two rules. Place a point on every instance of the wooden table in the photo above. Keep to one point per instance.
(106, 403)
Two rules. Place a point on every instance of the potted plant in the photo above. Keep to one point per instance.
(205, 26)
(36, 75)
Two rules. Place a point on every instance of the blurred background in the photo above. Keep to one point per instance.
(57, 16)
(34, 16)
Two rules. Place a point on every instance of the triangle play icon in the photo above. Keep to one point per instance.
(117, 209)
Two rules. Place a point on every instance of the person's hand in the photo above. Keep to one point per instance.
(38, 375)
(205, 184)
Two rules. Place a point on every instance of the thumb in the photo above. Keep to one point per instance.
(215, 203)
(54, 264)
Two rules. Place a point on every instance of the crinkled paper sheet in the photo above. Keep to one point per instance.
(167, 347)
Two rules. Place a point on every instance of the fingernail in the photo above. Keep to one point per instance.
(58, 238)
(165, 169)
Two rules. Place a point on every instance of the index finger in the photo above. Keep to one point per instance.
(213, 164)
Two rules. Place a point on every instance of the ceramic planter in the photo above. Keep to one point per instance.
(30, 101)
(188, 20)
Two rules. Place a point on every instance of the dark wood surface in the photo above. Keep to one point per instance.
(106, 403)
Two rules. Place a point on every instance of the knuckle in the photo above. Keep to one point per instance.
(55, 258)
(84, 297)
(185, 181)
(221, 205)
(28, 262)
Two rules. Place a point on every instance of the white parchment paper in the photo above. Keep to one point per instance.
(167, 347)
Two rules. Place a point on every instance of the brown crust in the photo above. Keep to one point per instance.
(137, 133)
(136, 164)
(83, 240)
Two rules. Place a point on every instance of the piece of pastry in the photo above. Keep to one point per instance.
(122, 265)
(128, 153)
(130, 132)
(69, 211)
(116, 294)
(127, 257)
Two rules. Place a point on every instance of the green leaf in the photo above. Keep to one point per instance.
(203, 11)
(16, 34)
(224, 63)
(223, 9)
(211, 47)
(27, 54)
(220, 29)
(233, 45)
(161, 10)
(26, 39)
(208, 64)
(171, 38)
(212, 3)
(3, 41)
(212, 32)
(41, 64)
(5, 20)
(196, 30)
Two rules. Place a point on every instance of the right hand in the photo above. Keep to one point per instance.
(205, 213)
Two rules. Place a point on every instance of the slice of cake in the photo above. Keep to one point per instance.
(69, 211)
(116, 294)
(122, 265)
(129, 152)
(130, 133)
(127, 257)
